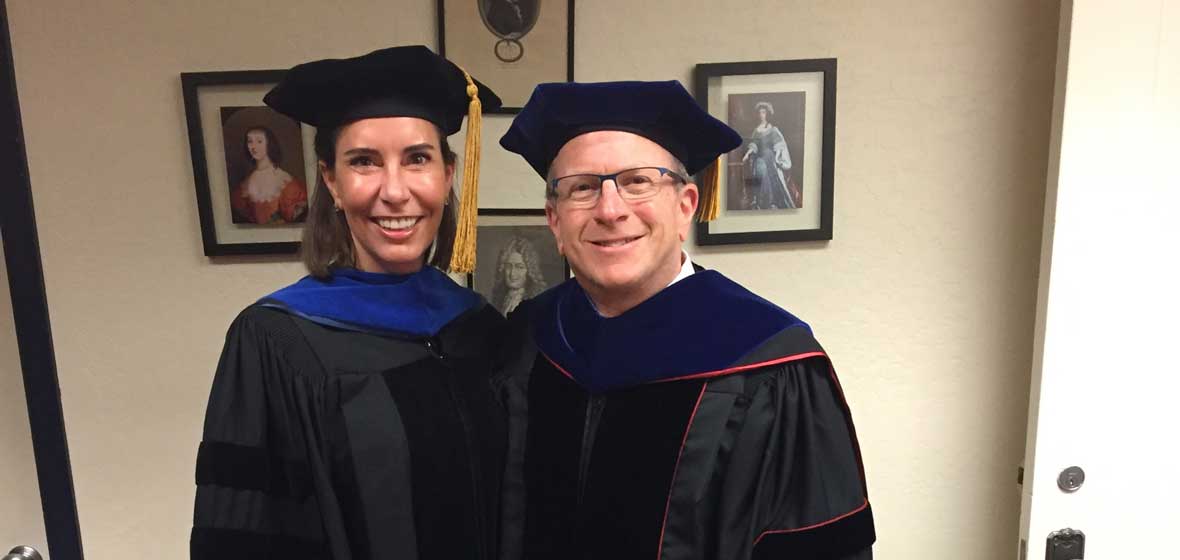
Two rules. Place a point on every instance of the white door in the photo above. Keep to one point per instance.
(1106, 382)
(21, 520)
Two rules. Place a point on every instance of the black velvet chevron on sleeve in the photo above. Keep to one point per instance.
(230, 544)
(251, 468)
(840, 539)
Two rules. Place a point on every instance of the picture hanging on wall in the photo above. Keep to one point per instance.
(516, 257)
(252, 167)
(777, 186)
(510, 45)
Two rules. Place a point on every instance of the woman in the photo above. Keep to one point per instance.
(518, 275)
(268, 194)
(771, 160)
(351, 415)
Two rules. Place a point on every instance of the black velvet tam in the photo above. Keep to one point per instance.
(662, 112)
(406, 81)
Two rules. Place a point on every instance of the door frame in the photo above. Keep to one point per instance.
(30, 312)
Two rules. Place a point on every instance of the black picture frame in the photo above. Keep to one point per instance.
(498, 217)
(512, 103)
(192, 85)
(705, 75)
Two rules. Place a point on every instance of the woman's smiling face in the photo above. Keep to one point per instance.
(392, 183)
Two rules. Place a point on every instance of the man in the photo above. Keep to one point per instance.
(661, 411)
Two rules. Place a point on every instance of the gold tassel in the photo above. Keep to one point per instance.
(463, 256)
(710, 205)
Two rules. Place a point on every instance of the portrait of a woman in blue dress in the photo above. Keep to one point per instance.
(769, 165)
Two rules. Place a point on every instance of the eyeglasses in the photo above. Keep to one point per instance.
(633, 185)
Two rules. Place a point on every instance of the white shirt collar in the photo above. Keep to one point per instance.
(686, 268)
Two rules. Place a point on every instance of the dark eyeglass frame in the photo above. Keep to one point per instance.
(613, 177)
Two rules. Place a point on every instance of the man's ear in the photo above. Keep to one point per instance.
(687, 199)
(552, 219)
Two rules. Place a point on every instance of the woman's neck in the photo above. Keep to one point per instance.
(264, 165)
(365, 262)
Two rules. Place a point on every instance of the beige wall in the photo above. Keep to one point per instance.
(20, 499)
(925, 298)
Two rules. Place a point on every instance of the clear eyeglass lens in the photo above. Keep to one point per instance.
(579, 188)
(633, 184)
(640, 183)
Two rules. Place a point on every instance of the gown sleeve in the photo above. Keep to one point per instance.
(795, 487)
(254, 497)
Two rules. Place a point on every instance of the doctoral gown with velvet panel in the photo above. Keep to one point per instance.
(323, 442)
(703, 424)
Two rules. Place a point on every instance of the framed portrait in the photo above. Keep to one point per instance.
(516, 257)
(253, 168)
(510, 45)
(777, 186)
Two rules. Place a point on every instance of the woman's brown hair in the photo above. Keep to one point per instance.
(327, 241)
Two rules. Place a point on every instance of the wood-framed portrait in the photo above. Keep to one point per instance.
(253, 169)
(778, 185)
(510, 45)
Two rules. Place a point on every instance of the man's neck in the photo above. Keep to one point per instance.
(615, 302)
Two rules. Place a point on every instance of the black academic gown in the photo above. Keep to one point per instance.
(705, 423)
(326, 443)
